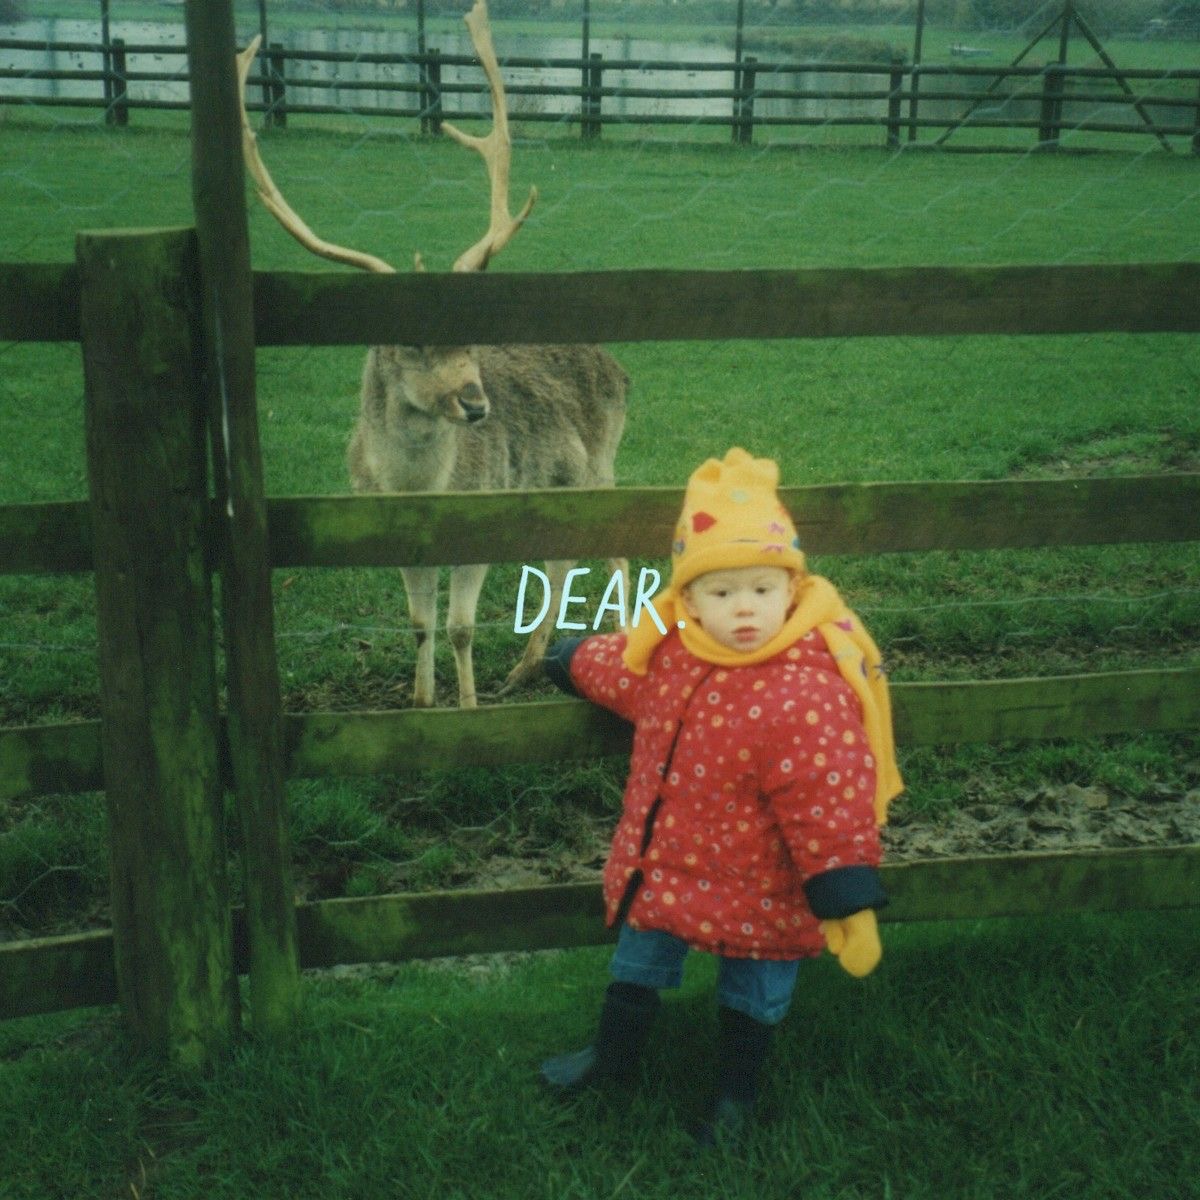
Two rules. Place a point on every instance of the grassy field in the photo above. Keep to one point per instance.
(1041, 1059)
(830, 411)
(1048, 1058)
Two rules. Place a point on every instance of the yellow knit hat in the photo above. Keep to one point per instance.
(732, 518)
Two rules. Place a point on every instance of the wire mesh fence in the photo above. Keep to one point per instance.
(680, 186)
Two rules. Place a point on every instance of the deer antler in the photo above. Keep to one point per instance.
(495, 149)
(273, 199)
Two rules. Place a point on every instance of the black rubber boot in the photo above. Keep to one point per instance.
(625, 1020)
(742, 1045)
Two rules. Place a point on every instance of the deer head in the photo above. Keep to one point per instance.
(436, 380)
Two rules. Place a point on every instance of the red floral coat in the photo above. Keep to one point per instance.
(748, 810)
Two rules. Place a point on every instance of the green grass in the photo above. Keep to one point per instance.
(1034, 1059)
(1026, 1060)
(920, 408)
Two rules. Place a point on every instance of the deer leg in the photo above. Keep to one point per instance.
(465, 585)
(530, 665)
(421, 585)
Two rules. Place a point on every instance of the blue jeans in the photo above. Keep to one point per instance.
(759, 987)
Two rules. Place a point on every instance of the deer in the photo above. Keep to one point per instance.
(470, 418)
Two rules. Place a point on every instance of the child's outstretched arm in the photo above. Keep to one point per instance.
(592, 667)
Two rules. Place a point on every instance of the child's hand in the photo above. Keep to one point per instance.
(855, 941)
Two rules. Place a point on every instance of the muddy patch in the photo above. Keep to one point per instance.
(1051, 818)
(1068, 817)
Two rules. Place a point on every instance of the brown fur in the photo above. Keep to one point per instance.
(545, 416)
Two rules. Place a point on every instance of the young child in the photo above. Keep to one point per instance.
(762, 765)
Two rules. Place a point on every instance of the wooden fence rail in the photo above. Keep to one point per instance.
(850, 518)
(186, 1007)
(40, 302)
(1058, 96)
(47, 759)
(52, 974)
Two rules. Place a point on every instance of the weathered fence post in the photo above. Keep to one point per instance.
(1053, 78)
(591, 125)
(433, 67)
(146, 454)
(266, 41)
(119, 110)
(1196, 132)
(276, 63)
(424, 95)
(914, 85)
(736, 120)
(255, 718)
(743, 125)
(106, 60)
(895, 87)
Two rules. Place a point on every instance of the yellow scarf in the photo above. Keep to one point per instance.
(820, 607)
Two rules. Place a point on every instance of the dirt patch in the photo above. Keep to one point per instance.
(1052, 818)
(1069, 817)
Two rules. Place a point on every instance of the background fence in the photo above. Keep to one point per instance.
(900, 99)
(882, 88)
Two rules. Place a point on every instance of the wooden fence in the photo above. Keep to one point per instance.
(898, 98)
(152, 535)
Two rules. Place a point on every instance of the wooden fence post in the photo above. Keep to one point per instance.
(895, 86)
(106, 59)
(434, 68)
(914, 86)
(146, 454)
(591, 126)
(120, 99)
(423, 92)
(276, 62)
(1196, 132)
(255, 717)
(1053, 79)
(743, 124)
(737, 100)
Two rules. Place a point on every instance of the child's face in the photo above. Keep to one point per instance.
(742, 608)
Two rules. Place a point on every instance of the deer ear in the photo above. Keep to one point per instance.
(418, 261)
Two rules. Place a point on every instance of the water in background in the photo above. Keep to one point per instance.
(624, 49)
